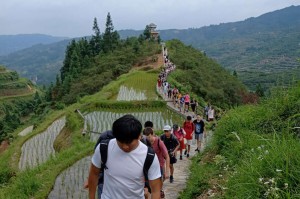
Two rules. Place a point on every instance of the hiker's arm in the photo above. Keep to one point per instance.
(156, 186)
(93, 181)
(167, 170)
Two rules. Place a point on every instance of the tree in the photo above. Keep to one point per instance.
(147, 33)
(96, 41)
(110, 37)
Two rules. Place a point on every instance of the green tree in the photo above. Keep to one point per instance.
(147, 33)
(110, 37)
(96, 40)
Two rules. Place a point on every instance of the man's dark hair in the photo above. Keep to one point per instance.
(148, 124)
(126, 129)
(148, 131)
(189, 118)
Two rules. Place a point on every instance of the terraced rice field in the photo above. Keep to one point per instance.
(129, 94)
(69, 184)
(39, 148)
(102, 121)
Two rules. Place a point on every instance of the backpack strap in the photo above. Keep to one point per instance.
(158, 140)
(103, 153)
(148, 162)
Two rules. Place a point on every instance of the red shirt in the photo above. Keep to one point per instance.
(161, 150)
(188, 127)
(179, 134)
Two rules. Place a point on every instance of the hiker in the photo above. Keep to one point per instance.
(161, 152)
(106, 135)
(189, 128)
(180, 134)
(147, 124)
(194, 105)
(122, 159)
(211, 114)
(206, 108)
(186, 102)
(181, 103)
(172, 145)
(200, 133)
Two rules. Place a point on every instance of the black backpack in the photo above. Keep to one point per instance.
(104, 150)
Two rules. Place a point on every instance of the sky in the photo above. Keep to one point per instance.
(74, 18)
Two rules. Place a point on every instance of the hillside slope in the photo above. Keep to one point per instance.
(263, 50)
(13, 43)
(41, 61)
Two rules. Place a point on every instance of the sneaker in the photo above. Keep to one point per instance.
(185, 152)
(181, 157)
(171, 179)
(162, 194)
(188, 155)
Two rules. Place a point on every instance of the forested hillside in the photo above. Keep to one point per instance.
(18, 99)
(203, 76)
(262, 50)
(13, 43)
(91, 64)
(40, 62)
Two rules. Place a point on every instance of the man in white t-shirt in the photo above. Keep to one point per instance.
(124, 177)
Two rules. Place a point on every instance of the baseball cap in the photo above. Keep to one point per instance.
(167, 128)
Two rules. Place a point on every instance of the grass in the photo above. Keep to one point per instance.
(255, 151)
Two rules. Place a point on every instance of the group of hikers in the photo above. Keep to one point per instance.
(133, 162)
(182, 102)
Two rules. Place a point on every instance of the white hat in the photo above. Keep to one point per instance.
(167, 128)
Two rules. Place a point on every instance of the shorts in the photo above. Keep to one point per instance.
(186, 103)
(173, 159)
(189, 142)
(199, 136)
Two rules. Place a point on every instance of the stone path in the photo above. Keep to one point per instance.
(181, 168)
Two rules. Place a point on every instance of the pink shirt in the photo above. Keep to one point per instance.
(161, 151)
(186, 98)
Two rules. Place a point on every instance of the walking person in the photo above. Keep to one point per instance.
(211, 114)
(162, 154)
(200, 132)
(194, 105)
(123, 162)
(186, 102)
(172, 145)
(181, 104)
(180, 134)
(189, 128)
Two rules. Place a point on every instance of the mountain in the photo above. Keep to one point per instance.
(261, 50)
(13, 43)
(41, 61)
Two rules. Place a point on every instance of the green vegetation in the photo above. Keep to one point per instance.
(89, 65)
(203, 76)
(254, 153)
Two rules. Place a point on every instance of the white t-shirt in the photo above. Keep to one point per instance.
(124, 177)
